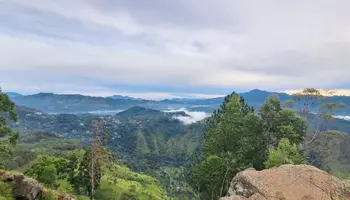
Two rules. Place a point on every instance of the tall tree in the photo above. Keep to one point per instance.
(237, 138)
(8, 138)
(318, 108)
(232, 142)
(97, 156)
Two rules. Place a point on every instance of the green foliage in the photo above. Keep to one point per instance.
(120, 182)
(210, 176)
(237, 138)
(35, 144)
(48, 176)
(5, 191)
(8, 138)
(78, 173)
(129, 196)
(330, 151)
(47, 169)
(285, 153)
(174, 179)
(49, 195)
(281, 123)
(232, 142)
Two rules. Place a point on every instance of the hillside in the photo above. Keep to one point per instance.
(117, 179)
(139, 132)
(149, 141)
(154, 137)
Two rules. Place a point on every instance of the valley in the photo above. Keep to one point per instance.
(160, 139)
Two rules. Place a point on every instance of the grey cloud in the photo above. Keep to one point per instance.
(226, 43)
(189, 14)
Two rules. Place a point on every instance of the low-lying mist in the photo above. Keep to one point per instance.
(194, 116)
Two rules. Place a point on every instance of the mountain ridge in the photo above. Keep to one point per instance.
(74, 103)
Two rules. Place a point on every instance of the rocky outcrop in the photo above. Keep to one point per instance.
(288, 182)
(23, 188)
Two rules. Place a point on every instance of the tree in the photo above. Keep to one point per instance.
(48, 176)
(281, 123)
(285, 153)
(8, 138)
(236, 138)
(97, 156)
(48, 169)
(318, 108)
(319, 102)
(78, 174)
(208, 177)
(233, 141)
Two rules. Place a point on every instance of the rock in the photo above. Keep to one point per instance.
(65, 197)
(23, 188)
(288, 182)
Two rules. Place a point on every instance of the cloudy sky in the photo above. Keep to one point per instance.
(160, 48)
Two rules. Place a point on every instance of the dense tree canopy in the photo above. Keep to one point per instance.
(237, 138)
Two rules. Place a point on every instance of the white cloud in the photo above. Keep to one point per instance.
(224, 44)
(347, 118)
(339, 92)
(194, 116)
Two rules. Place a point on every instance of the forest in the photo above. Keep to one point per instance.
(143, 153)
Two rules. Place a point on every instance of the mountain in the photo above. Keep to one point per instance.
(137, 111)
(13, 94)
(124, 97)
(75, 103)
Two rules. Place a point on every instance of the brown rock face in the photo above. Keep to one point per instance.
(23, 188)
(288, 182)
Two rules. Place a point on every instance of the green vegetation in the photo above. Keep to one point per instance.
(8, 138)
(5, 191)
(120, 182)
(237, 138)
(285, 153)
(158, 157)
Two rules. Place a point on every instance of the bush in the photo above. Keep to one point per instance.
(48, 176)
(285, 153)
(5, 191)
(49, 195)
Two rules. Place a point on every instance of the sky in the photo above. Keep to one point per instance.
(180, 48)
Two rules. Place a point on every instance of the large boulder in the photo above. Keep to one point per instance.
(23, 188)
(288, 182)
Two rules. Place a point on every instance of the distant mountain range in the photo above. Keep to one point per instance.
(124, 97)
(13, 94)
(76, 103)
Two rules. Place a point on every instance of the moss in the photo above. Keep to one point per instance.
(5, 191)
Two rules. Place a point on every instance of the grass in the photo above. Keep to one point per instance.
(5, 191)
(119, 179)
